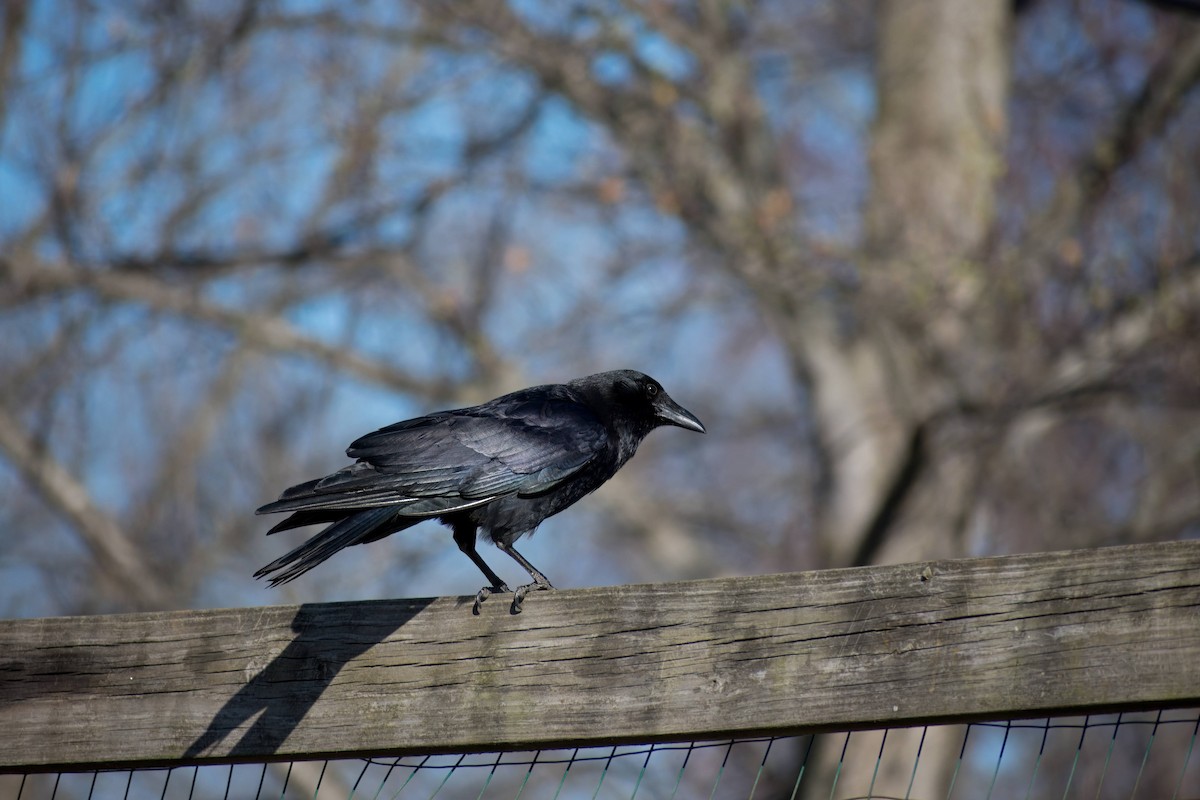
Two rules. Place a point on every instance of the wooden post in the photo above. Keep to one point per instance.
(968, 640)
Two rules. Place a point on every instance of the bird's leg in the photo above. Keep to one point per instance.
(539, 580)
(464, 537)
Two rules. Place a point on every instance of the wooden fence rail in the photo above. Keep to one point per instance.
(970, 640)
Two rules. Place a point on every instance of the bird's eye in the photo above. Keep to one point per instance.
(651, 390)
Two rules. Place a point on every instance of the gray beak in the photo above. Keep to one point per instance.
(671, 413)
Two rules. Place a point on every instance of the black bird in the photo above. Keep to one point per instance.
(499, 469)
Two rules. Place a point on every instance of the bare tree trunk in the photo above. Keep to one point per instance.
(942, 69)
(900, 482)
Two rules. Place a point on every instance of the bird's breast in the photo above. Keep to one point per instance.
(507, 519)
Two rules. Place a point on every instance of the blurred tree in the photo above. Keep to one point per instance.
(929, 270)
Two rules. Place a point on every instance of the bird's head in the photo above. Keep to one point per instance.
(639, 399)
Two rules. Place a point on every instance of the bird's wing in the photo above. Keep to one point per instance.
(525, 444)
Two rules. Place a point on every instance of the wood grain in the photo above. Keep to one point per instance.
(978, 639)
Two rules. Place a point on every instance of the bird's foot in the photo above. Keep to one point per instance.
(487, 592)
(519, 595)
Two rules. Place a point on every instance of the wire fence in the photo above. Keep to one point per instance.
(864, 656)
(1131, 755)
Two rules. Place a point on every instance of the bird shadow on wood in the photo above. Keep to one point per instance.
(285, 689)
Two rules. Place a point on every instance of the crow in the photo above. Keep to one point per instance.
(496, 469)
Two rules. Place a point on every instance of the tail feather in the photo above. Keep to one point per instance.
(302, 518)
(316, 502)
(354, 529)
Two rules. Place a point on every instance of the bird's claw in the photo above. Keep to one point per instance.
(519, 594)
(485, 593)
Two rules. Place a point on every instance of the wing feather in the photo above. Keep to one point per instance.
(525, 443)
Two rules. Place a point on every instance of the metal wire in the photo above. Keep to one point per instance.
(1147, 752)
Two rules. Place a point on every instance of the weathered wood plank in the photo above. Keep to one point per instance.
(1023, 636)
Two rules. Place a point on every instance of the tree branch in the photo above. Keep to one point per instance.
(117, 556)
(1093, 362)
(264, 332)
(1147, 115)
